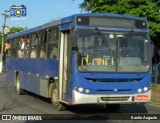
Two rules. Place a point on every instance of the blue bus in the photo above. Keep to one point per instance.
(84, 59)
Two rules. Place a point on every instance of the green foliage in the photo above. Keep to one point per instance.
(149, 9)
(13, 30)
(16, 29)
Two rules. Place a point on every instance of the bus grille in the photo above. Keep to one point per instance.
(114, 80)
(124, 98)
(119, 90)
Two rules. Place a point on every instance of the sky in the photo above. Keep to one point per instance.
(39, 11)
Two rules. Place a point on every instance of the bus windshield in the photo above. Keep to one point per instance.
(106, 51)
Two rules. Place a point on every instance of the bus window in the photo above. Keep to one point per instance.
(53, 36)
(22, 43)
(42, 52)
(15, 47)
(50, 35)
(34, 42)
(34, 39)
(42, 39)
(53, 51)
(7, 49)
(26, 50)
(33, 52)
(21, 47)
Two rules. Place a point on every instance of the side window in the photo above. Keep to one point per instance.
(33, 49)
(42, 39)
(15, 47)
(27, 46)
(7, 48)
(34, 39)
(53, 37)
(21, 47)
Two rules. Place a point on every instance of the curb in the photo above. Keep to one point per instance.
(154, 103)
(3, 73)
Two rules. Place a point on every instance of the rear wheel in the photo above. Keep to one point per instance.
(113, 107)
(18, 87)
(55, 99)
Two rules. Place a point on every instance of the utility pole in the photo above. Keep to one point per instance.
(2, 35)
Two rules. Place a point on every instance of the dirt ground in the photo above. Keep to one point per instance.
(155, 94)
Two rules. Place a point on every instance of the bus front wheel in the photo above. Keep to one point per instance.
(18, 87)
(55, 99)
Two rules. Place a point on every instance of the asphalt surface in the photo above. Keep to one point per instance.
(12, 103)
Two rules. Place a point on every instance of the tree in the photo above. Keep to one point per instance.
(13, 30)
(16, 29)
(149, 9)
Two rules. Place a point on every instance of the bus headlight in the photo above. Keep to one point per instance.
(140, 90)
(80, 89)
(145, 88)
(87, 90)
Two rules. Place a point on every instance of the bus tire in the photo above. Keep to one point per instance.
(55, 101)
(18, 89)
(113, 107)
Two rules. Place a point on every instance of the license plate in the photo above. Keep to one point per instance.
(142, 97)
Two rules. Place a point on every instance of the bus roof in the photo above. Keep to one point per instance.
(70, 19)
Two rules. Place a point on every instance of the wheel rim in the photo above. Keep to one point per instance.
(17, 84)
(55, 97)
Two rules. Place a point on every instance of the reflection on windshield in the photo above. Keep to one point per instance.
(111, 51)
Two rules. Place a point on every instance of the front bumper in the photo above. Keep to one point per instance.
(80, 98)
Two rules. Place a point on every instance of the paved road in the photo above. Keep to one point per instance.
(12, 103)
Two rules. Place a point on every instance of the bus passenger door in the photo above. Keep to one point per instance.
(63, 66)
